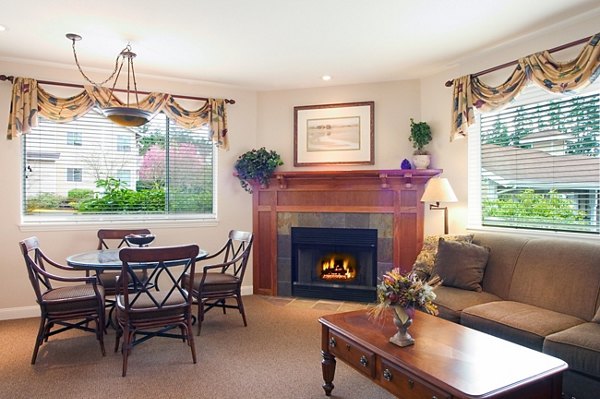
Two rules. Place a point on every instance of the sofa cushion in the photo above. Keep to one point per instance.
(558, 274)
(596, 318)
(451, 301)
(460, 264)
(579, 346)
(517, 322)
(424, 263)
(504, 253)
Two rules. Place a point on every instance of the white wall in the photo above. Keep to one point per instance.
(234, 205)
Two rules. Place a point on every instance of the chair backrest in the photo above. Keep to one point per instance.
(171, 262)
(117, 234)
(236, 252)
(35, 260)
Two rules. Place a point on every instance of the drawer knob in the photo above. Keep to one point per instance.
(411, 383)
(332, 342)
(387, 375)
(363, 361)
(434, 397)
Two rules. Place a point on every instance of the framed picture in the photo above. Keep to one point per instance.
(334, 134)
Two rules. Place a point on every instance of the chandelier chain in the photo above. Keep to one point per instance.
(127, 48)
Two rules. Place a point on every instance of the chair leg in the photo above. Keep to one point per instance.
(127, 335)
(200, 314)
(39, 339)
(238, 298)
(222, 302)
(190, 338)
(119, 334)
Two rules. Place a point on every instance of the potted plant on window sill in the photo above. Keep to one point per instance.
(256, 165)
(420, 136)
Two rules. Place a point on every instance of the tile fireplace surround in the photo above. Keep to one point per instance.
(386, 200)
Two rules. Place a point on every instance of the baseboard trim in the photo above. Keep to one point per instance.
(24, 312)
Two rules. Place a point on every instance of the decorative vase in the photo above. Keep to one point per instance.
(421, 161)
(402, 321)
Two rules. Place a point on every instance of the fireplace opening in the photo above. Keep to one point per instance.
(334, 263)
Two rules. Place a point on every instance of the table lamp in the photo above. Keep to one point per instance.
(438, 190)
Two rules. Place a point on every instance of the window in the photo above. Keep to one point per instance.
(536, 163)
(74, 138)
(167, 171)
(74, 174)
(123, 143)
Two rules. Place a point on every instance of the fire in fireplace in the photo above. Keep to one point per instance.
(334, 263)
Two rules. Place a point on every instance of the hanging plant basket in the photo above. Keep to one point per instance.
(258, 166)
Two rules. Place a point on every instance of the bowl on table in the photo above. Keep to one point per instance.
(139, 239)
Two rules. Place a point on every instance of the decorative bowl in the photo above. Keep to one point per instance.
(139, 239)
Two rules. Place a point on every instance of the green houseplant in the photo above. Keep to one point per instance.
(420, 136)
(257, 165)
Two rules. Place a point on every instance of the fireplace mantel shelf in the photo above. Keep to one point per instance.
(383, 175)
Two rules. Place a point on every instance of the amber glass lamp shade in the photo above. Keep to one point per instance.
(125, 116)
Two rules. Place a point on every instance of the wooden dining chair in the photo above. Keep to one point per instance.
(115, 238)
(222, 279)
(68, 306)
(144, 312)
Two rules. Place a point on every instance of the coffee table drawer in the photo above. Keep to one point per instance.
(402, 384)
(355, 355)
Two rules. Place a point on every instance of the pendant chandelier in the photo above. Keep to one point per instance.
(126, 115)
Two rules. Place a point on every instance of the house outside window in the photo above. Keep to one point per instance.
(74, 174)
(74, 138)
(124, 143)
(536, 163)
(167, 174)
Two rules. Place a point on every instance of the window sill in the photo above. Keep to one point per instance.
(70, 225)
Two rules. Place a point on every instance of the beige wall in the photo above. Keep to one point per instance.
(266, 119)
(234, 205)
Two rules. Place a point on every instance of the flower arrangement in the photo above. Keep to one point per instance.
(407, 292)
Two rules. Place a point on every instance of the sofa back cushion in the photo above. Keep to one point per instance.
(558, 274)
(504, 253)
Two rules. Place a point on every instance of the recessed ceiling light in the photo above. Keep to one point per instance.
(326, 77)
(3, 28)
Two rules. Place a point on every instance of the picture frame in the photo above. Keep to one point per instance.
(330, 134)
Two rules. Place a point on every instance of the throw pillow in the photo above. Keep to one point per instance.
(461, 264)
(423, 265)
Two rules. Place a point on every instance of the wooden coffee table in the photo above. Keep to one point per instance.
(447, 360)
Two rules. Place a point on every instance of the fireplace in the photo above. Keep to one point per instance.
(334, 263)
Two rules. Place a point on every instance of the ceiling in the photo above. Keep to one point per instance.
(274, 44)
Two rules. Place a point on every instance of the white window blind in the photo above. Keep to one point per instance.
(535, 164)
(158, 170)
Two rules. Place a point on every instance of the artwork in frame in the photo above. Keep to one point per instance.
(334, 134)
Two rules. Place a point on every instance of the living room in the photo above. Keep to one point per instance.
(263, 116)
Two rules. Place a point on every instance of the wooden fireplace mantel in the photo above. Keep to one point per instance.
(393, 191)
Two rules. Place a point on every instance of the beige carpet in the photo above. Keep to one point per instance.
(276, 356)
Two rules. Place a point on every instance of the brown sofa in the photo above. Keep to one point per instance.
(543, 293)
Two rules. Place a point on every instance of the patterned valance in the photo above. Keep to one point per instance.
(541, 68)
(29, 100)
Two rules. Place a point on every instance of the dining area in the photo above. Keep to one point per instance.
(134, 289)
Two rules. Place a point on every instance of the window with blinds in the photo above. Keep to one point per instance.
(92, 169)
(539, 162)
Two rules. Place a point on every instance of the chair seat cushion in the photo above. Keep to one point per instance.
(143, 306)
(109, 279)
(216, 282)
(74, 297)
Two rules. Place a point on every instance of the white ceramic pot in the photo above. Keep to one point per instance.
(421, 161)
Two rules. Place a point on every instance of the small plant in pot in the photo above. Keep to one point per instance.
(256, 165)
(420, 136)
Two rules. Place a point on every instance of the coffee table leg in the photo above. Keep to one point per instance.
(328, 367)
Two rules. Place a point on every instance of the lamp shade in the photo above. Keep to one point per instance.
(125, 116)
(438, 189)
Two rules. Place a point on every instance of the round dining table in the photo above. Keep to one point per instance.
(108, 259)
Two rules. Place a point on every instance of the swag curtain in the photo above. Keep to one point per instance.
(29, 100)
(541, 68)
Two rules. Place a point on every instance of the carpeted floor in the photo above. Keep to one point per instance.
(276, 356)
